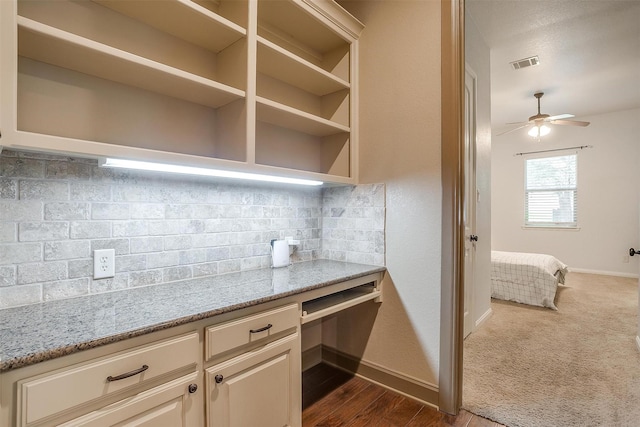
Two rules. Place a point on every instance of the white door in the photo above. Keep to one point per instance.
(470, 191)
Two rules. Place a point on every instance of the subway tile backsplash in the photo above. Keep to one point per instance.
(353, 221)
(55, 211)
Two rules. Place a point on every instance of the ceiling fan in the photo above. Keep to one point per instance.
(538, 123)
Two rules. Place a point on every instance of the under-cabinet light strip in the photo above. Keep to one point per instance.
(190, 170)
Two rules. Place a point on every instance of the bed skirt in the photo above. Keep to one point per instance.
(526, 278)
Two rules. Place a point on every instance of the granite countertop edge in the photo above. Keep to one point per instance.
(32, 358)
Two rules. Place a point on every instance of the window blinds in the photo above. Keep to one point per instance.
(551, 192)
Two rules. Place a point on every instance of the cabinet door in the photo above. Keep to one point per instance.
(258, 388)
(170, 404)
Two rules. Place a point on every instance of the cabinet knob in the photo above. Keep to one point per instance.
(193, 388)
(219, 378)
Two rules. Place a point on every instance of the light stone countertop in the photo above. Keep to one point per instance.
(39, 332)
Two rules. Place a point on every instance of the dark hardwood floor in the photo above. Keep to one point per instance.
(333, 398)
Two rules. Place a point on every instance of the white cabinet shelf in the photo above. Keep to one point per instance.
(57, 47)
(290, 118)
(184, 19)
(277, 62)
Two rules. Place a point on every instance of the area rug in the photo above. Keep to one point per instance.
(578, 366)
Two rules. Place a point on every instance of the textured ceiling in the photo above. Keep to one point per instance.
(589, 55)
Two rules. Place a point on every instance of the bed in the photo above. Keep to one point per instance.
(526, 278)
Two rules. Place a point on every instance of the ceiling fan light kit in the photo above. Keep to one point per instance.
(538, 131)
(539, 122)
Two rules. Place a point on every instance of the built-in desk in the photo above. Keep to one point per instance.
(45, 346)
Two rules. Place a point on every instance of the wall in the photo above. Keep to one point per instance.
(608, 195)
(400, 146)
(54, 211)
(477, 57)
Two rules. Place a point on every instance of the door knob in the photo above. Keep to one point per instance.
(218, 378)
(473, 238)
(633, 252)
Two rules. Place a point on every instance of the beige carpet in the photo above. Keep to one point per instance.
(578, 366)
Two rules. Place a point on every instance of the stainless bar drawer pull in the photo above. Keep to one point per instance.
(128, 374)
(266, 328)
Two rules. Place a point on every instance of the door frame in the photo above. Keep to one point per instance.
(452, 175)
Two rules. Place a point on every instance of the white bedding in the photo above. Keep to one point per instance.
(526, 278)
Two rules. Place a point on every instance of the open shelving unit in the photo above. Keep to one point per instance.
(249, 85)
(311, 104)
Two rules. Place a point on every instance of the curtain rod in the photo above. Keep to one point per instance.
(581, 147)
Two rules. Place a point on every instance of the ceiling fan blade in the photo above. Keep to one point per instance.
(560, 117)
(570, 122)
(513, 130)
(517, 123)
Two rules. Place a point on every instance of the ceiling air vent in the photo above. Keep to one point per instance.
(526, 62)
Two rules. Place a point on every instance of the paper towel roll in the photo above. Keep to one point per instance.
(279, 253)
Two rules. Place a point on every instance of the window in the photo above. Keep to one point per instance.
(551, 192)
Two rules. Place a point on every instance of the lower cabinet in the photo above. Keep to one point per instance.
(242, 372)
(253, 373)
(258, 388)
(166, 405)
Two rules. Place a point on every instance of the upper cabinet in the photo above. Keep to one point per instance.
(265, 86)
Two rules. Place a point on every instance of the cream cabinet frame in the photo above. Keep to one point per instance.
(249, 85)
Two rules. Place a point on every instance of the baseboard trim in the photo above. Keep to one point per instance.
(638, 342)
(311, 357)
(603, 273)
(487, 314)
(413, 388)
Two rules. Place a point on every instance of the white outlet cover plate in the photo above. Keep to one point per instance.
(104, 263)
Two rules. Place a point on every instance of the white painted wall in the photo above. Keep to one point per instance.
(477, 56)
(400, 146)
(608, 195)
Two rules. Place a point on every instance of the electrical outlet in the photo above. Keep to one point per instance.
(104, 263)
(625, 259)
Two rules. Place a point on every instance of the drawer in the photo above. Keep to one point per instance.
(236, 333)
(67, 388)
